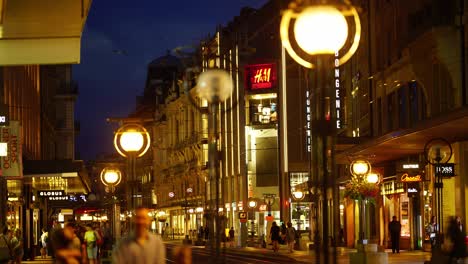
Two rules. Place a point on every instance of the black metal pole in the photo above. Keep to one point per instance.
(214, 177)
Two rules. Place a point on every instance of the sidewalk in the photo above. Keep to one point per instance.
(405, 257)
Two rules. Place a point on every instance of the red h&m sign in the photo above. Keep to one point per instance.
(260, 76)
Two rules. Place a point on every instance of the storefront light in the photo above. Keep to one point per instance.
(199, 210)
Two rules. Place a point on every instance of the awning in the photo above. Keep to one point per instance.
(41, 32)
(67, 175)
(403, 143)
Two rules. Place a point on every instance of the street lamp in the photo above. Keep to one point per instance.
(252, 204)
(215, 86)
(111, 177)
(438, 151)
(132, 141)
(298, 195)
(321, 31)
(359, 169)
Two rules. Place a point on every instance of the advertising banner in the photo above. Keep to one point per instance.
(12, 164)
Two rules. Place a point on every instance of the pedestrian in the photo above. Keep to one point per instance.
(90, 238)
(231, 237)
(284, 230)
(44, 240)
(291, 237)
(275, 236)
(200, 233)
(140, 246)
(5, 250)
(459, 223)
(16, 245)
(65, 249)
(457, 241)
(395, 230)
(207, 232)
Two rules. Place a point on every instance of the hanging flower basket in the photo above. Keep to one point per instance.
(361, 191)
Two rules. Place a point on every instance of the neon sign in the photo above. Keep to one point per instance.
(407, 178)
(308, 121)
(337, 90)
(260, 76)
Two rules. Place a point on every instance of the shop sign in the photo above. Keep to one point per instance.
(410, 166)
(392, 187)
(337, 91)
(445, 170)
(243, 217)
(59, 198)
(51, 193)
(308, 128)
(12, 163)
(4, 120)
(412, 189)
(260, 76)
(405, 177)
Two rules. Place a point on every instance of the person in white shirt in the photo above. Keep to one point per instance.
(140, 246)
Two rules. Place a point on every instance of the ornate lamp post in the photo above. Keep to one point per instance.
(438, 151)
(252, 204)
(320, 33)
(132, 141)
(359, 169)
(298, 195)
(215, 86)
(111, 177)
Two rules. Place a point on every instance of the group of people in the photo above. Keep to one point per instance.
(453, 244)
(283, 235)
(11, 246)
(75, 243)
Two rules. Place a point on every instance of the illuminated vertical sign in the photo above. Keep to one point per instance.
(337, 91)
(308, 146)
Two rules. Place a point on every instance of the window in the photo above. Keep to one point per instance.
(402, 107)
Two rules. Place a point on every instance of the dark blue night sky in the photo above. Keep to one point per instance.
(109, 81)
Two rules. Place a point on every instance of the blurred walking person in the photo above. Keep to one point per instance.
(395, 230)
(44, 240)
(291, 237)
(140, 246)
(275, 236)
(16, 245)
(457, 239)
(231, 237)
(91, 239)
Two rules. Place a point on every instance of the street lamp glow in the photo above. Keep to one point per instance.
(321, 30)
(373, 178)
(360, 167)
(131, 141)
(252, 204)
(214, 85)
(111, 177)
(298, 195)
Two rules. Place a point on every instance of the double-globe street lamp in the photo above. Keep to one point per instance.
(131, 141)
(438, 151)
(215, 86)
(320, 29)
(111, 177)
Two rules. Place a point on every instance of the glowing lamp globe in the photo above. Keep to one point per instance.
(298, 195)
(131, 141)
(321, 30)
(111, 177)
(214, 85)
(373, 178)
(360, 167)
(252, 204)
